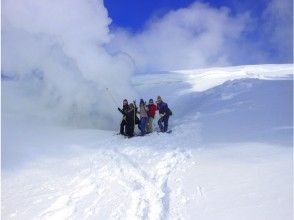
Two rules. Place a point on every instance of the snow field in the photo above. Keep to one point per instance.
(230, 155)
(152, 177)
(111, 183)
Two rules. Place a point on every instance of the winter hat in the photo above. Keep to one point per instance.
(151, 101)
(141, 102)
(125, 102)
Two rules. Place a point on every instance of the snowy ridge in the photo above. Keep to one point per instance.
(204, 79)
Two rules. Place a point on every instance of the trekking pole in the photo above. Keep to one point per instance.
(134, 115)
(112, 97)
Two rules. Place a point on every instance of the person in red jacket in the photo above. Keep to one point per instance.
(151, 114)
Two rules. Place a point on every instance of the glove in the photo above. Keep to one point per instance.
(119, 109)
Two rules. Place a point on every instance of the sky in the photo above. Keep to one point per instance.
(132, 14)
(253, 32)
(65, 56)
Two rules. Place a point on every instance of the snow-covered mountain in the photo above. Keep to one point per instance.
(229, 155)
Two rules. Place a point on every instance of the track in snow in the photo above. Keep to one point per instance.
(145, 187)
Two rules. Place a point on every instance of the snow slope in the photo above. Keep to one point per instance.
(229, 155)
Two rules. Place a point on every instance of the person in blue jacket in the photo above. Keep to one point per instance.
(164, 113)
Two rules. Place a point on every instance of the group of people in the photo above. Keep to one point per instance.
(146, 116)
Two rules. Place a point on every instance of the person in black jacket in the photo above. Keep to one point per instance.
(124, 121)
(130, 117)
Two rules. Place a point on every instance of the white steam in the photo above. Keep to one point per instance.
(196, 36)
(54, 52)
(204, 36)
(278, 28)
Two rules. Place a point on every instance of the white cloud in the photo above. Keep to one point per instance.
(55, 50)
(278, 28)
(191, 37)
(204, 36)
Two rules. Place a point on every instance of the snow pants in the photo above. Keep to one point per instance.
(149, 127)
(130, 130)
(164, 120)
(122, 127)
(142, 125)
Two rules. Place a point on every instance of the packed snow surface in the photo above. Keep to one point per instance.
(229, 155)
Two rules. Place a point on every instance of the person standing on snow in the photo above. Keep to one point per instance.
(143, 117)
(124, 121)
(164, 113)
(137, 120)
(130, 120)
(151, 114)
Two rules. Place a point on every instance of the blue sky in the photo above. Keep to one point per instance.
(253, 32)
(133, 14)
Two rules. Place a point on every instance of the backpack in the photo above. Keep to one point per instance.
(169, 112)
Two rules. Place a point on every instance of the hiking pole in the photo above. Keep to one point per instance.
(112, 97)
(134, 115)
